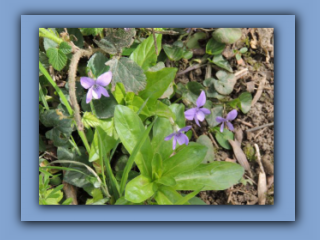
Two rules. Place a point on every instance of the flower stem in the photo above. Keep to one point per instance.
(65, 102)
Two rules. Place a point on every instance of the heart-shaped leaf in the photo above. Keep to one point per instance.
(116, 39)
(225, 83)
(245, 101)
(221, 62)
(215, 112)
(227, 35)
(211, 91)
(97, 64)
(205, 141)
(126, 71)
(223, 137)
(214, 48)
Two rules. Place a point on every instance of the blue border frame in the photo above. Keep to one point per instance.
(284, 208)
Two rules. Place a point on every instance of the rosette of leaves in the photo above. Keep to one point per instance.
(116, 39)
(162, 173)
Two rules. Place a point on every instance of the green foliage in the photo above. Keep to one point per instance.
(193, 42)
(89, 120)
(221, 62)
(215, 112)
(225, 83)
(115, 40)
(177, 51)
(58, 56)
(214, 48)
(227, 35)
(145, 54)
(212, 176)
(91, 31)
(205, 141)
(223, 137)
(129, 73)
(96, 64)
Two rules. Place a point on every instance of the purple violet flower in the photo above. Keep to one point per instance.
(198, 113)
(179, 136)
(230, 116)
(96, 87)
(127, 29)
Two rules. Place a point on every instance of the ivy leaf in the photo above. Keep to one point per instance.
(214, 48)
(129, 73)
(223, 137)
(227, 35)
(225, 83)
(91, 31)
(97, 64)
(116, 39)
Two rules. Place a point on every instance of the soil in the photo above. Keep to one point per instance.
(259, 62)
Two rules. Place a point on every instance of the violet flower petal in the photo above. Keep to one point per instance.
(89, 96)
(232, 115)
(104, 92)
(167, 138)
(201, 99)
(180, 138)
(197, 122)
(185, 129)
(189, 114)
(200, 116)
(186, 139)
(104, 79)
(221, 127)
(205, 111)
(174, 143)
(220, 119)
(86, 82)
(230, 126)
(96, 92)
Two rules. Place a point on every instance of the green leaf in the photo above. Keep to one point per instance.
(75, 178)
(226, 82)
(45, 62)
(214, 48)
(243, 50)
(193, 42)
(162, 128)
(178, 110)
(215, 112)
(76, 36)
(212, 176)
(120, 93)
(245, 101)
(221, 62)
(227, 35)
(129, 128)
(167, 181)
(176, 51)
(42, 146)
(196, 201)
(89, 120)
(123, 201)
(188, 197)
(156, 166)
(145, 54)
(157, 67)
(185, 160)
(65, 48)
(205, 141)
(192, 93)
(211, 91)
(187, 55)
(223, 137)
(158, 82)
(107, 136)
(97, 64)
(104, 106)
(127, 72)
(121, 163)
(57, 58)
(115, 40)
(139, 189)
(68, 201)
(53, 199)
(167, 195)
(91, 31)
(62, 126)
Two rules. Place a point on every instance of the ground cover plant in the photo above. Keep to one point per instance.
(155, 116)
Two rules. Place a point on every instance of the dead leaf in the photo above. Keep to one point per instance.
(241, 157)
